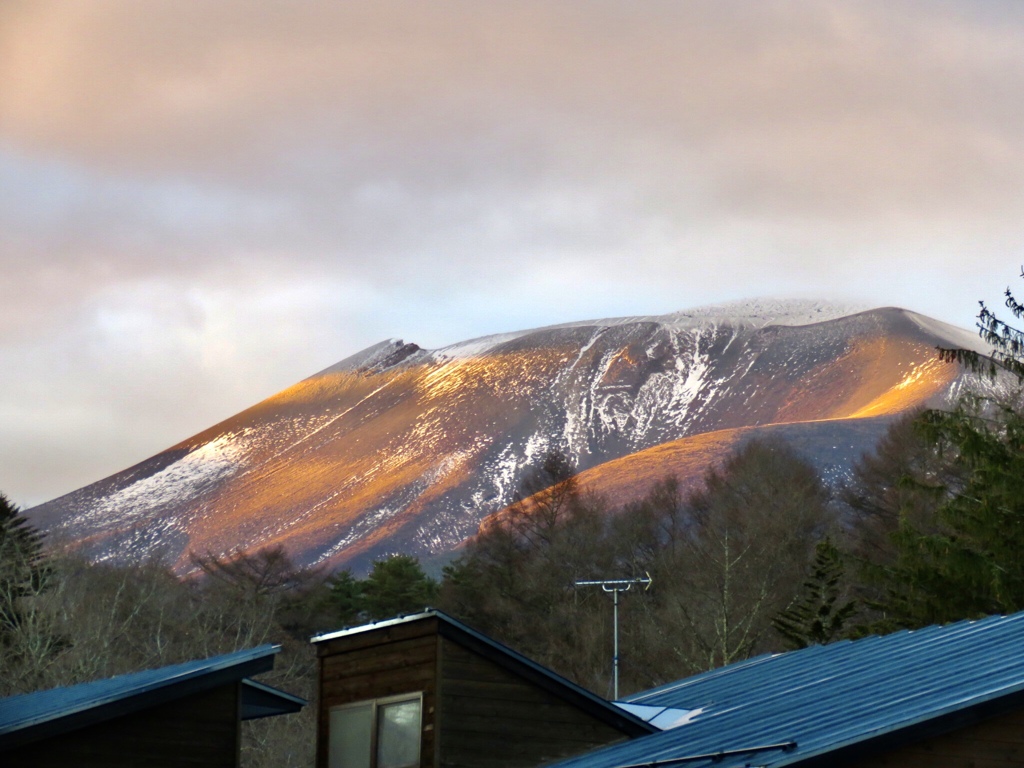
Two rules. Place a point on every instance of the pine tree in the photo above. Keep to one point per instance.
(969, 564)
(819, 615)
(1007, 341)
(397, 585)
(23, 568)
(966, 561)
(347, 603)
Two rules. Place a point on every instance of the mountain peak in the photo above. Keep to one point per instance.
(762, 312)
(404, 449)
(374, 359)
(745, 313)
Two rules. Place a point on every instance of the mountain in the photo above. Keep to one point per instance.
(402, 449)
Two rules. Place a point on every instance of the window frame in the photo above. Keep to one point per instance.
(375, 707)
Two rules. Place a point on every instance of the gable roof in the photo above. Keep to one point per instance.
(33, 716)
(514, 662)
(811, 706)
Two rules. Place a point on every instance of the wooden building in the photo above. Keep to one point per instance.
(182, 715)
(426, 690)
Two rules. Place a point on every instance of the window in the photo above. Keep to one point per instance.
(383, 733)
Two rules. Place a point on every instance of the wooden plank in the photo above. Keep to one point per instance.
(437, 711)
(510, 753)
(487, 689)
(399, 658)
(377, 686)
(496, 719)
(533, 728)
(477, 671)
(547, 710)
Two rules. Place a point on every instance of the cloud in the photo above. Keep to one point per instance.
(217, 198)
(325, 98)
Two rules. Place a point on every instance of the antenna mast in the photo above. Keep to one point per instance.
(614, 586)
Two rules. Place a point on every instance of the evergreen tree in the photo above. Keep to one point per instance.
(397, 585)
(1007, 341)
(965, 561)
(23, 568)
(347, 602)
(819, 615)
(968, 562)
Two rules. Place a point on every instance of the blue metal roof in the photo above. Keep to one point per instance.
(34, 715)
(827, 698)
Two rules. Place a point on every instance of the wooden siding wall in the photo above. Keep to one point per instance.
(372, 665)
(200, 731)
(997, 743)
(492, 718)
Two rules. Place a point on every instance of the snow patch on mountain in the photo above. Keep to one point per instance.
(957, 337)
(474, 347)
(760, 313)
(688, 387)
(185, 479)
(365, 358)
(751, 313)
(917, 373)
(504, 473)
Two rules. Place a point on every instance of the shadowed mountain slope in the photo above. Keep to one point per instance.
(400, 449)
(832, 446)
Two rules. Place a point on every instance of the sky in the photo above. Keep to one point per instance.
(203, 203)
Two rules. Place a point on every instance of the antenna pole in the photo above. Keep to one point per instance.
(614, 586)
(615, 644)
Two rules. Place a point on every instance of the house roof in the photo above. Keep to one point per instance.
(515, 662)
(32, 716)
(812, 706)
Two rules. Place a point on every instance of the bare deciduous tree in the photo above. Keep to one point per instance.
(753, 529)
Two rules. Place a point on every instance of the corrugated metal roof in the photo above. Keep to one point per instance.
(826, 698)
(44, 710)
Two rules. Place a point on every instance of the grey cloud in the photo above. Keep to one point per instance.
(191, 190)
(384, 126)
(466, 94)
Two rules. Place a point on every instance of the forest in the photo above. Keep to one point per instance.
(762, 556)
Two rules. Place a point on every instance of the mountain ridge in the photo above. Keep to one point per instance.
(397, 448)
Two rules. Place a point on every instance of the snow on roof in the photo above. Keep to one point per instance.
(662, 718)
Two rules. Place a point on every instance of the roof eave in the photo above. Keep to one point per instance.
(910, 732)
(153, 694)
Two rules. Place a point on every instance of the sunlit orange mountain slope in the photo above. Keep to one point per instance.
(403, 449)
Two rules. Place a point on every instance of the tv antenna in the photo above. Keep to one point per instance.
(614, 586)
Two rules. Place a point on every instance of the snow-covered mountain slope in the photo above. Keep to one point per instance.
(398, 448)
